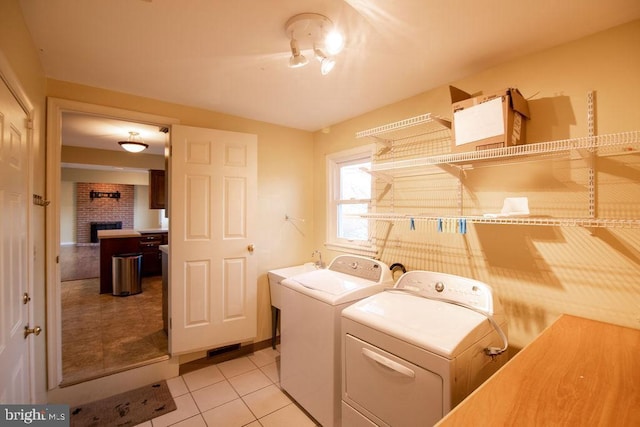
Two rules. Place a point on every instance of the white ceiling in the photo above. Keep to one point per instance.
(232, 56)
(84, 130)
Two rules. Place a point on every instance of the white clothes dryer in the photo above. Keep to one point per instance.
(411, 354)
(310, 338)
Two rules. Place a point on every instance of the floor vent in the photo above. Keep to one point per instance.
(222, 350)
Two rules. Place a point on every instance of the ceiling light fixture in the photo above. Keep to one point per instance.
(333, 42)
(134, 144)
(297, 60)
(326, 64)
(319, 34)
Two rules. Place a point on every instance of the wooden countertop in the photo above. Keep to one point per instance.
(112, 234)
(578, 372)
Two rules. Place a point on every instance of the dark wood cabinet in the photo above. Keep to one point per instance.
(146, 244)
(151, 255)
(157, 189)
(109, 248)
(151, 262)
(165, 291)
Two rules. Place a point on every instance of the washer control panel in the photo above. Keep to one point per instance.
(365, 268)
(441, 286)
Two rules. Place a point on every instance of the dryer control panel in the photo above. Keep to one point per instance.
(448, 287)
(365, 268)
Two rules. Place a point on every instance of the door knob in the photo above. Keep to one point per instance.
(25, 298)
(36, 331)
(251, 248)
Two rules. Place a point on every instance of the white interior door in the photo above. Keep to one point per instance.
(15, 373)
(212, 214)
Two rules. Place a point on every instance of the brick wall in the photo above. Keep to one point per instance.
(102, 209)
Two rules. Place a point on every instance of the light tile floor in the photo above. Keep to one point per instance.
(239, 392)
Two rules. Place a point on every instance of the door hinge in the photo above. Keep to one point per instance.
(29, 124)
(38, 200)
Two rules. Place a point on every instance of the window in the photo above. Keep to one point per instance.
(349, 195)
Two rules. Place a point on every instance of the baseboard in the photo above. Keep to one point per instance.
(223, 357)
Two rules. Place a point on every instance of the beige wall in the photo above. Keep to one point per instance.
(143, 217)
(591, 275)
(18, 50)
(285, 170)
(285, 178)
(91, 156)
(538, 272)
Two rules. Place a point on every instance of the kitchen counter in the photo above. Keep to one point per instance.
(114, 234)
(578, 372)
(144, 241)
(111, 234)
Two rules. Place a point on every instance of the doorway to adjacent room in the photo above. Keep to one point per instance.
(96, 336)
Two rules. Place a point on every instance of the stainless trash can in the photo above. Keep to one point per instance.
(127, 274)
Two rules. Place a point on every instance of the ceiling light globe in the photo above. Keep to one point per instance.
(134, 144)
(133, 147)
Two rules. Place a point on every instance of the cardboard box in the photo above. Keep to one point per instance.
(489, 121)
(458, 95)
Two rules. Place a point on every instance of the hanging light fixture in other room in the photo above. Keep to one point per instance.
(315, 32)
(134, 144)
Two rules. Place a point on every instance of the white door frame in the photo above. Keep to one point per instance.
(14, 85)
(55, 108)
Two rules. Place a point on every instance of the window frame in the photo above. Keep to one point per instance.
(335, 162)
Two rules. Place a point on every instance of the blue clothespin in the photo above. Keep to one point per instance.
(462, 225)
(412, 224)
(439, 225)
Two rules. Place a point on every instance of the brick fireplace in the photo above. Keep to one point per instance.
(102, 204)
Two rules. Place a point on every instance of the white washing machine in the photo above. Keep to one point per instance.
(412, 353)
(310, 337)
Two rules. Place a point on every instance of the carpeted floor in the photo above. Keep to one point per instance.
(127, 409)
(81, 261)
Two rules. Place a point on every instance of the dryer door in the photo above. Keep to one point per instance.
(392, 389)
